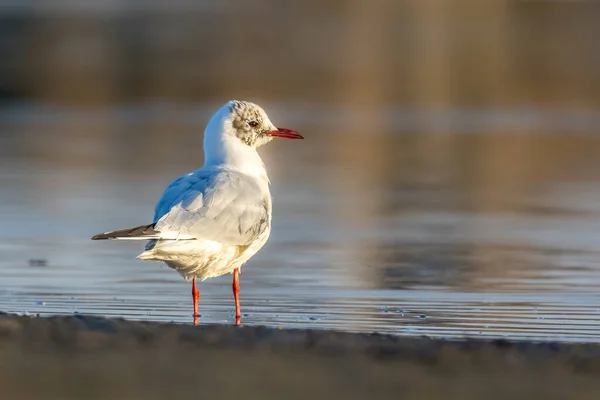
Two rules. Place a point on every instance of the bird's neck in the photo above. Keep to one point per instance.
(230, 152)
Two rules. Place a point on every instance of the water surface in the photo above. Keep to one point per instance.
(475, 225)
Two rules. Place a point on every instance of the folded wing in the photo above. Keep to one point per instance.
(222, 206)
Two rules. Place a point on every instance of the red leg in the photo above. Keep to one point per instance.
(236, 294)
(195, 297)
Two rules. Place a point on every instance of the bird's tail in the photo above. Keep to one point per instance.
(142, 232)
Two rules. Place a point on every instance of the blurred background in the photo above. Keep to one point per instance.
(448, 183)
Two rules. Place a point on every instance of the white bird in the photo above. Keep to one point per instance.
(209, 222)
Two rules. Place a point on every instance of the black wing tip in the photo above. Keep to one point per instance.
(139, 231)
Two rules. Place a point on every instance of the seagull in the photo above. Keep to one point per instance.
(211, 221)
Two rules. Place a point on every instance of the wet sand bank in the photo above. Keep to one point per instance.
(98, 358)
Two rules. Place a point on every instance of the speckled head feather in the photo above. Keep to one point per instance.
(250, 123)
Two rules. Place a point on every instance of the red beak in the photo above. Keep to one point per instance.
(285, 133)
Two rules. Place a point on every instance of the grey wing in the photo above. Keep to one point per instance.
(225, 206)
(176, 190)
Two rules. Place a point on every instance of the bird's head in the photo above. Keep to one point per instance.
(249, 123)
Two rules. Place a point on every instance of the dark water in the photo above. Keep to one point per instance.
(481, 224)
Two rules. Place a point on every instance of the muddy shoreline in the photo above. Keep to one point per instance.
(100, 358)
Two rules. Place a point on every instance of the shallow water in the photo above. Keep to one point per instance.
(479, 225)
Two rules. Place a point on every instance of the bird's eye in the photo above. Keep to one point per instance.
(253, 124)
